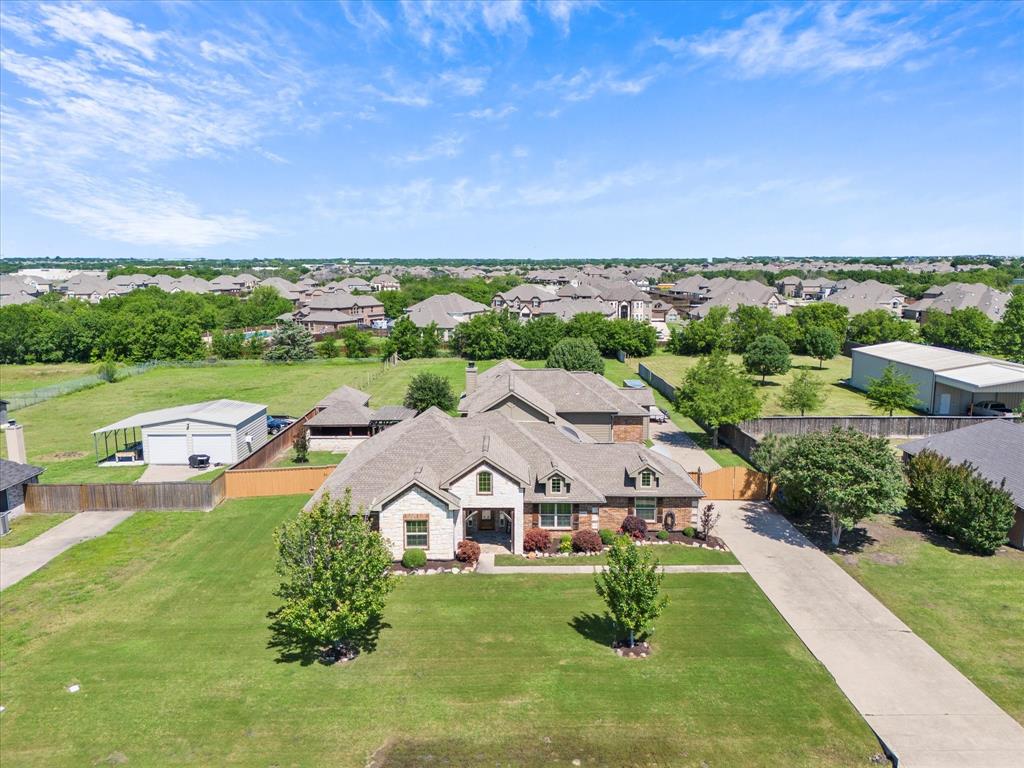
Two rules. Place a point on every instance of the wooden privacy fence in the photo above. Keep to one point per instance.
(876, 426)
(276, 446)
(246, 483)
(44, 497)
(733, 484)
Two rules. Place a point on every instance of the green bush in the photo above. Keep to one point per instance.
(414, 558)
(607, 536)
(565, 543)
(661, 535)
(689, 531)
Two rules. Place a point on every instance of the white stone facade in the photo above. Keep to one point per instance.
(441, 526)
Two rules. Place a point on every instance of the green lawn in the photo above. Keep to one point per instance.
(968, 608)
(27, 527)
(58, 433)
(314, 459)
(163, 624)
(22, 378)
(666, 554)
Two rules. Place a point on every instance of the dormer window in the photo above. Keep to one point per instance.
(556, 484)
(484, 483)
(646, 479)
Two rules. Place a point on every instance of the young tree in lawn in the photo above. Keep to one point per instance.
(290, 342)
(804, 392)
(769, 456)
(575, 354)
(357, 343)
(844, 474)
(715, 392)
(300, 446)
(430, 340)
(630, 588)
(767, 356)
(427, 390)
(821, 343)
(1009, 335)
(892, 391)
(748, 323)
(707, 521)
(336, 576)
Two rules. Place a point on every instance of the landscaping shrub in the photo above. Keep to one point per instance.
(661, 535)
(414, 558)
(536, 540)
(634, 527)
(468, 551)
(689, 531)
(587, 541)
(607, 536)
(565, 543)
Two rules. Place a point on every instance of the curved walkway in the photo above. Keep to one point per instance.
(926, 713)
(18, 562)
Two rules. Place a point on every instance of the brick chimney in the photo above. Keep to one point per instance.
(16, 443)
(471, 377)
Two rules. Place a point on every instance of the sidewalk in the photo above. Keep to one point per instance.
(922, 708)
(486, 565)
(18, 562)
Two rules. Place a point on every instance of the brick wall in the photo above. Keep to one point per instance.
(614, 512)
(628, 429)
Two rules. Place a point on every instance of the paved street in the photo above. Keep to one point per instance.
(924, 710)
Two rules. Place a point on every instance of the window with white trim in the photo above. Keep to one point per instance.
(416, 534)
(555, 484)
(556, 515)
(646, 509)
(484, 483)
(646, 479)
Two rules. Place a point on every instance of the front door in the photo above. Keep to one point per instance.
(944, 399)
(486, 520)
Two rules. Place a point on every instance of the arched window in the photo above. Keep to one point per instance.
(484, 483)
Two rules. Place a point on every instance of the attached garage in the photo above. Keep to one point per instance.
(225, 430)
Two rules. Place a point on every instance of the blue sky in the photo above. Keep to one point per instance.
(508, 129)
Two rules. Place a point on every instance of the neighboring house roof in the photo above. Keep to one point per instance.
(931, 358)
(14, 473)
(393, 413)
(551, 390)
(384, 279)
(865, 296)
(327, 316)
(995, 448)
(527, 293)
(342, 413)
(566, 309)
(341, 300)
(230, 412)
(433, 450)
(345, 394)
(946, 298)
(443, 309)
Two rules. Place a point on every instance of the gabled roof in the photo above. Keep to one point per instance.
(15, 473)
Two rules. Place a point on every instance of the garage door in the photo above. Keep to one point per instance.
(217, 447)
(167, 449)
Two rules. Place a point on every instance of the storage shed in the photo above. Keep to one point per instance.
(225, 430)
(948, 382)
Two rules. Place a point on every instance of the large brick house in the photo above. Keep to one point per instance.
(432, 481)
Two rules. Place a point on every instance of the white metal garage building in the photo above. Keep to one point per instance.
(226, 430)
(948, 382)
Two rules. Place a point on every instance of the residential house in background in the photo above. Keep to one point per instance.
(344, 419)
(867, 295)
(384, 282)
(945, 298)
(524, 300)
(447, 310)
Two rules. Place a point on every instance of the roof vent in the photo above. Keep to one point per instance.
(487, 442)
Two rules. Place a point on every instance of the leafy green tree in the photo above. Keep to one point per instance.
(589, 325)
(290, 342)
(631, 588)
(300, 445)
(634, 337)
(787, 329)
(328, 348)
(539, 337)
(701, 337)
(357, 343)
(823, 314)
(575, 354)
(254, 347)
(107, 370)
(877, 326)
(968, 330)
(429, 390)
(892, 391)
(716, 392)
(804, 392)
(749, 323)
(821, 343)
(430, 340)
(770, 455)
(264, 305)
(1009, 334)
(406, 339)
(767, 356)
(227, 346)
(336, 576)
(843, 474)
(482, 337)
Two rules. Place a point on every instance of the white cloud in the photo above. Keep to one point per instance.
(96, 28)
(443, 25)
(561, 11)
(827, 39)
(584, 84)
(449, 147)
(462, 83)
(365, 18)
(490, 113)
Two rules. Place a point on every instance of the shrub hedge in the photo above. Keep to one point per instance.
(536, 540)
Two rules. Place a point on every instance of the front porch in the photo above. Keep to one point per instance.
(493, 529)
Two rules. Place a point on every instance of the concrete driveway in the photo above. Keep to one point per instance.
(18, 562)
(925, 711)
(669, 440)
(169, 473)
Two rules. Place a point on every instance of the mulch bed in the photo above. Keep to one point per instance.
(638, 651)
(434, 565)
(674, 537)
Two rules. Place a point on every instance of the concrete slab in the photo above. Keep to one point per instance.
(669, 440)
(169, 473)
(922, 708)
(18, 562)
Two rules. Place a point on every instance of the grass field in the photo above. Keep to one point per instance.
(313, 459)
(22, 378)
(26, 527)
(666, 554)
(163, 624)
(968, 608)
(58, 433)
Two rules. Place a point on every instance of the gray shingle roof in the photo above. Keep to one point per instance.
(995, 448)
(14, 473)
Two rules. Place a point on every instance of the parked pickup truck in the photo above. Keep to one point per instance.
(990, 408)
